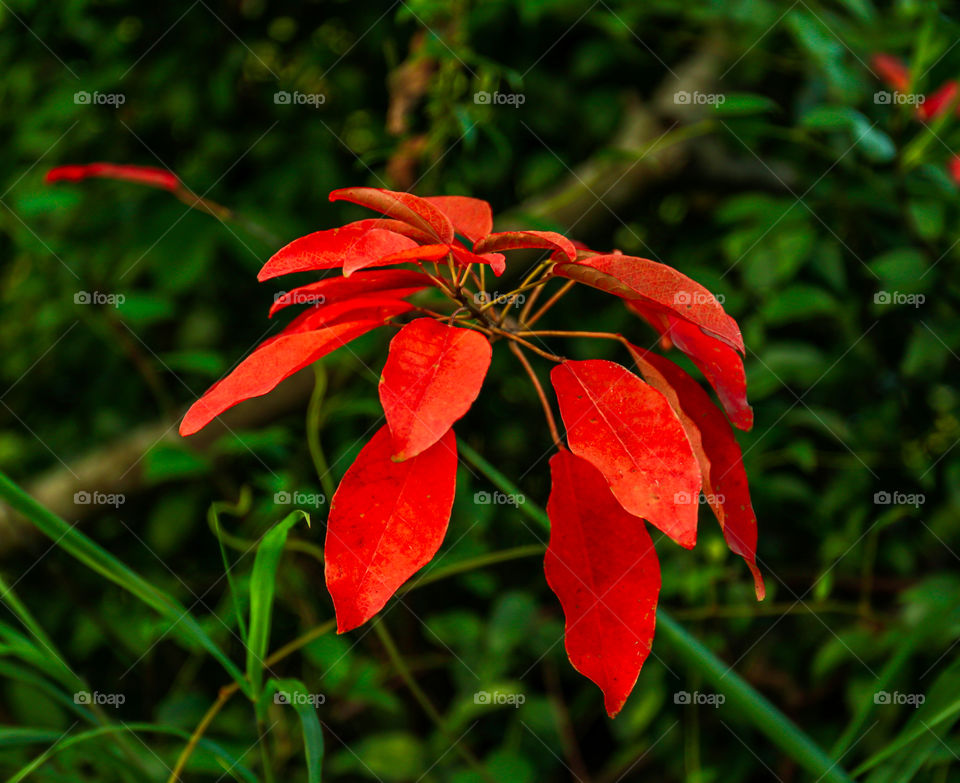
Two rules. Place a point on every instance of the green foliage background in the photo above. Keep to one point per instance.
(800, 200)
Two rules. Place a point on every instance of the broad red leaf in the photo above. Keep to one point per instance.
(464, 257)
(403, 206)
(274, 360)
(397, 227)
(602, 566)
(515, 240)
(432, 376)
(471, 217)
(629, 432)
(724, 478)
(142, 175)
(719, 363)
(630, 278)
(333, 248)
(387, 521)
(393, 283)
(422, 252)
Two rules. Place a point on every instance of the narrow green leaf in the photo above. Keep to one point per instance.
(295, 694)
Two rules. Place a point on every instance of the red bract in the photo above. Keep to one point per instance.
(142, 175)
(603, 568)
(638, 450)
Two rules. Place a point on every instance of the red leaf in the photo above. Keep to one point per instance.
(393, 283)
(421, 252)
(333, 248)
(515, 240)
(387, 521)
(891, 71)
(630, 277)
(719, 363)
(940, 101)
(397, 227)
(471, 217)
(628, 431)
(432, 376)
(142, 175)
(724, 478)
(602, 566)
(464, 257)
(411, 209)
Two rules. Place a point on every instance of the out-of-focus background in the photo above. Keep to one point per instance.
(754, 145)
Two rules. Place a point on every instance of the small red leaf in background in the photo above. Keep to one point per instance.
(333, 248)
(141, 175)
(403, 206)
(724, 478)
(891, 71)
(471, 217)
(432, 376)
(630, 277)
(516, 240)
(719, 363)
(387, 520)
(602, 566)
(940, 101)
(629, 432)
(394, 283)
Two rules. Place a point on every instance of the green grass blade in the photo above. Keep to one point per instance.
(764, 716)
(84, 549)
(296, 695)
(238, 509)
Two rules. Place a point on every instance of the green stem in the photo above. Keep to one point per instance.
(313, 430)
(764, 716)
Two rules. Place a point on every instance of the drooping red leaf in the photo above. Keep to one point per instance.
(940, 101)
(387, 520)
(271, 362)
(632, 278)
(432, 376)
(333, 248)
(602, 566)
(516, 240)
(891, 71)
(393, 283)
(419, 253)
(397, 227)
(403, 206)
(724, 478)
(719, 363)
(629, 432)
(471, 217)
(141, 175)
(464, 257)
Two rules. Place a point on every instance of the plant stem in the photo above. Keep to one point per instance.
(313, 430)
(551, 302)
(551, 422)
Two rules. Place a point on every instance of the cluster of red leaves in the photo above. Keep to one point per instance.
(946, 98)
(638, 447)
